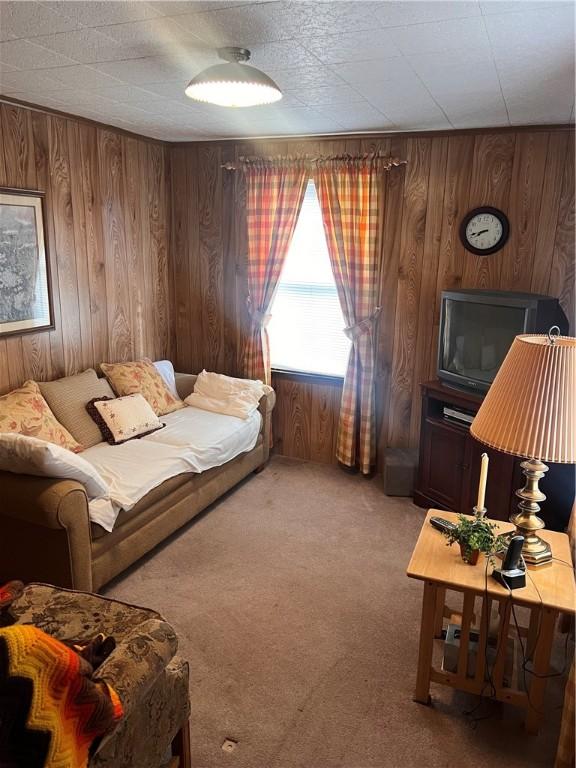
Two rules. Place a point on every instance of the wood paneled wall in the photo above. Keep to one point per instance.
(107, 198)
(527, 173)
(121, 291)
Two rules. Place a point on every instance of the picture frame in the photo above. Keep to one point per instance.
(26, 303)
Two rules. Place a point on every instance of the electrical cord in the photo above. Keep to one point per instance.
(525, 659)
(487, 629)
(564, 562)
(528, 660)
(488, 671)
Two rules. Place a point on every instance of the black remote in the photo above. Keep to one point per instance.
(442, 525)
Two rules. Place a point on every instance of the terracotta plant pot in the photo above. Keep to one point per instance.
(469, 556)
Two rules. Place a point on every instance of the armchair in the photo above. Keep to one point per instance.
(151, 681)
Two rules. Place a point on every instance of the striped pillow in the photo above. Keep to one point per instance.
(67, 398)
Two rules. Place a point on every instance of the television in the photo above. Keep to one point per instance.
(477, 328)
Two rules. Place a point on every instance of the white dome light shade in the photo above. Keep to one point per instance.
(233, 85)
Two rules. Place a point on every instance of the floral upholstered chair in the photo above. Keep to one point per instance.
(150, 680)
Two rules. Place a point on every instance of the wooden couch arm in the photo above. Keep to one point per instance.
(45, 531)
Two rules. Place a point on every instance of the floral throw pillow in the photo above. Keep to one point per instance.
(142, 377)
(25, 411)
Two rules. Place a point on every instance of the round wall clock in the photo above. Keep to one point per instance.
(484, 230)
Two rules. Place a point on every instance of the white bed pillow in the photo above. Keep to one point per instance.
(166, 370)
(225, 394)
(26, 455)
(218, 385)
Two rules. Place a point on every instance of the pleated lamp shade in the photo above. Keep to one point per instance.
(530, 409)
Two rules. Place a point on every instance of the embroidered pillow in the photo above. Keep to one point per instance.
(142, 377)
(123, 418)
(25, 411)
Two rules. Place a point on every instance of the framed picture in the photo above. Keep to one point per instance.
(25, 289)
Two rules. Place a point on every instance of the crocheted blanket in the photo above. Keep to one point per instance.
(51, 709)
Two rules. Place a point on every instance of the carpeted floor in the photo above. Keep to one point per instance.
(301, 628)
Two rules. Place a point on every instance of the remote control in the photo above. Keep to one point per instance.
(442, 525)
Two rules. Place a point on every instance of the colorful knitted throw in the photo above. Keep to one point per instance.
(51, 710)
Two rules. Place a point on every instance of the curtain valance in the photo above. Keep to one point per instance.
(310, 163)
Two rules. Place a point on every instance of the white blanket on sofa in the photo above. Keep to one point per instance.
(209, 439)
(132, 470)
(192, 441)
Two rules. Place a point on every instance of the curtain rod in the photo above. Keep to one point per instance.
(245, 161)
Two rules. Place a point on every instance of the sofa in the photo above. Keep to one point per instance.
(45, 529)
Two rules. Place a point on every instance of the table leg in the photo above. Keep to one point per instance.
(467, 612)
(540, 666)
(439, 617)
(532, 631)
(504, 609)
(482, 640)
(427, 628)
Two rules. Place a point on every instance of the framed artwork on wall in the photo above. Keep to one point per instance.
(25, 288)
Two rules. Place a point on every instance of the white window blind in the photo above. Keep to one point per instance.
(306, 330)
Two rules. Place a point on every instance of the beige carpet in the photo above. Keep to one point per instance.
(293, 608)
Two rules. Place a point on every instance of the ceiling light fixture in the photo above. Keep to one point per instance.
(235, 84)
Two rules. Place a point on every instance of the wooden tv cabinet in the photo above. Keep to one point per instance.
(449, 460)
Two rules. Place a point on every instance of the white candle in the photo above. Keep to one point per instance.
(482, 483)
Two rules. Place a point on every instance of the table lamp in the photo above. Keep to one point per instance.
(530, 411)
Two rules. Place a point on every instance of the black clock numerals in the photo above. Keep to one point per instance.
(484, 230)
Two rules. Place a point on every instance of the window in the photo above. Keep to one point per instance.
(307, 328)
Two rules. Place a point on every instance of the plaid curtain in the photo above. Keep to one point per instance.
(274, 195)
(349, 193)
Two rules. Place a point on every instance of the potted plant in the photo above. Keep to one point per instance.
(474, 535)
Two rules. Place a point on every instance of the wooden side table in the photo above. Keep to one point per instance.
(549, 590)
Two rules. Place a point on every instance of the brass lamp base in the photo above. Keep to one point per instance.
(535, 551)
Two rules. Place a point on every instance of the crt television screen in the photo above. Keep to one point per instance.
(476, 337)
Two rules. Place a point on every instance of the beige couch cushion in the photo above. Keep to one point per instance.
(68, 397)
(185, 383)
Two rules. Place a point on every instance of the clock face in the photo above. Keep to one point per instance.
(484, 230)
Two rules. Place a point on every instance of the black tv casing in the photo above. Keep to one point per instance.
(541, 313)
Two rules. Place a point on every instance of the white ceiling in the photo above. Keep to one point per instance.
(343, 66)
